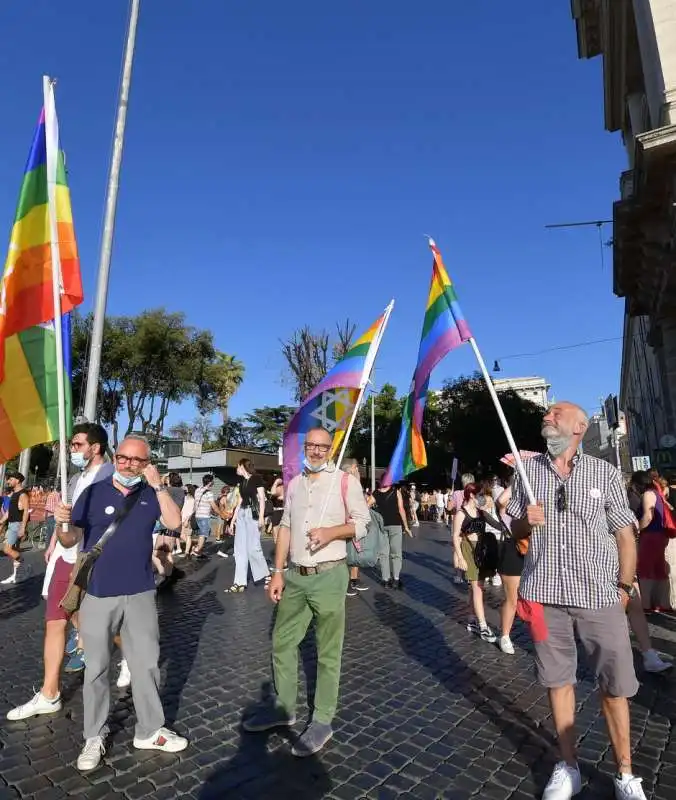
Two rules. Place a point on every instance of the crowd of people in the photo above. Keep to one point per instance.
(567, 564)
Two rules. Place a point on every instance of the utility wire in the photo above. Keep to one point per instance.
(562, 347)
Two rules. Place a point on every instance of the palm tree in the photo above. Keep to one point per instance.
(227, 376)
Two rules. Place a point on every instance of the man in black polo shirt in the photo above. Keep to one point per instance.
(121, 594)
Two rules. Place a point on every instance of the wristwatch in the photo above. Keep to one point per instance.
(628, 589)
(159, 489)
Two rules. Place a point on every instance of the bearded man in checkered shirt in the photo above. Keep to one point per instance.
(578, 578)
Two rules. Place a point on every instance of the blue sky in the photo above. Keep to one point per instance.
(283, 161)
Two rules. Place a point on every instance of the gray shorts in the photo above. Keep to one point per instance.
(13, 531)
(604, 636)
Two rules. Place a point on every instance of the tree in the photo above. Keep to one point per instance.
(235, 433)
(203, 431)
(307, 356)
(150, 362)
(463, 423)
(388, 408)
(266, 425)
(182, 431)
(219, 382)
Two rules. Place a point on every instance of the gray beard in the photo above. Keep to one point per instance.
(557, 445)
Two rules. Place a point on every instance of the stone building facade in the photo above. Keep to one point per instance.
(637, 41)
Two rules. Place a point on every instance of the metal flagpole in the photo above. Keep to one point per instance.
(373, 440)
(3, 471)
(109, 221)
(52, 154)
(505, 425)
(25, 462)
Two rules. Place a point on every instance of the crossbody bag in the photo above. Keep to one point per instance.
(82, 570)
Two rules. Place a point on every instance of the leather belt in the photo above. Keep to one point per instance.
(324, 566)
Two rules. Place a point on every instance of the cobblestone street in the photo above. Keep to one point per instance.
(426, 710)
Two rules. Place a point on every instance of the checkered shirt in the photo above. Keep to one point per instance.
(573, 560)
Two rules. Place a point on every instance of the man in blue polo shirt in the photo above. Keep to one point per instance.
(121, 595)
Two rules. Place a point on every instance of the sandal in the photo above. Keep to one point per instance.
(236, 588)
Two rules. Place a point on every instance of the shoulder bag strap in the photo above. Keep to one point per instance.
(130, 502)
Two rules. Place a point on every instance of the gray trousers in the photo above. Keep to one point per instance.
(248, 550)
(135, 616)
(391, 545)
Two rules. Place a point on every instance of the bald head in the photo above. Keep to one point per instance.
(563, 427)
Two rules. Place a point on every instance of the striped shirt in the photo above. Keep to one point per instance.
(573, 560)
(53, 499)
(203, 500)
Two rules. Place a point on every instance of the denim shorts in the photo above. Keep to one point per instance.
(203, 526)
(13, 530)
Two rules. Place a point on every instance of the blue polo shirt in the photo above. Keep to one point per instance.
(124, 566)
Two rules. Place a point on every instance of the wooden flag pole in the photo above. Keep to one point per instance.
(52, 155)
(518, 461)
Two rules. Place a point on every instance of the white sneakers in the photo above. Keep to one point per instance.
(39, 704)
(565, 783)
(124, 678)
(91, 754)
(653, 663)
(628, 787)
(164, 739)
(506, 645)
(20, 573)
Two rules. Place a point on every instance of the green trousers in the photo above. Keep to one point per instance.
(320, 596)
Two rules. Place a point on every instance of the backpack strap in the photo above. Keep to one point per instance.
(343, 491)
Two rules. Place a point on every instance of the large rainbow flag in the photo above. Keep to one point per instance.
(444, 329)
(331, 403)
(28, 377)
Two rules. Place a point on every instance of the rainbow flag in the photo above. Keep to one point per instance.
(331, 403)
(444, 329)
(28, 378)
(29, 412)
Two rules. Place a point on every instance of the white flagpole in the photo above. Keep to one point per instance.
(373, 441)
(52, 150)
(503, 420)
(366, 378)
(105, 256)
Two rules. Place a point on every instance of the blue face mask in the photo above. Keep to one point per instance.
(311, 468)
(127, 480)
(78, 460)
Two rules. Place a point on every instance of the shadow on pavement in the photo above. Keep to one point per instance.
(421, 640)
(20, 597)
(183, 614)
(256, 771)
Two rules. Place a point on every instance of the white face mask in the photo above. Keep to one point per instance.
(311, 468)
(78, 460)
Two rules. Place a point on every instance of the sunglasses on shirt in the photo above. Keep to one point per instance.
(561, 499)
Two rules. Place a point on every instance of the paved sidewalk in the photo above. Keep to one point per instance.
(426, 710)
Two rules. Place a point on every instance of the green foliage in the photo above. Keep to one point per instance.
(266, 425)
(460, 421)
(150, 362)
(388, 408)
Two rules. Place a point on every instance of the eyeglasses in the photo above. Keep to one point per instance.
(561, 499)
(320, 448)
(133, 460)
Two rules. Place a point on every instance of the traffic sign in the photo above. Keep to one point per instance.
(640, 463)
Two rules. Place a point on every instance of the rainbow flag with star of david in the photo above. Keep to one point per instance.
(332, 402)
